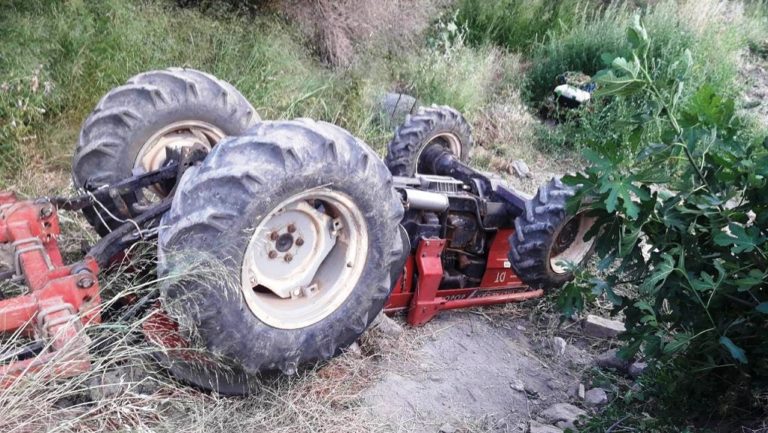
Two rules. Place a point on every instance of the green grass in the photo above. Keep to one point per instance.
(83, 49)
(517, 24)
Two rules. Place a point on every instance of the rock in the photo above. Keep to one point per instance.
(517, 385)
(447, 428)
(355, 349)
(595, 397)
(120, 380)
(581, 391)
(537, 427)
(600, 327)
(566, 425)
(520, 169)
(393, 107)
(637, 369)
(562, 412)
(559, 345)
(610, 360)
(520, 328)
(387, 326)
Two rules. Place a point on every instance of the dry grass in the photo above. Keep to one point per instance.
(341, 29)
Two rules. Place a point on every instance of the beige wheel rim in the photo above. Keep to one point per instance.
(447, 140)
(188, 133)
(304, 259)
(569, 245)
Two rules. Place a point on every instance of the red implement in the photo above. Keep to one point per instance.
(59, 299)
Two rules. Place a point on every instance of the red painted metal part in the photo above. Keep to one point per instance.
(60, 299)
(424, 299)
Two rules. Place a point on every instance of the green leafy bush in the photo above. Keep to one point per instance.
(716, 31)
(683, 246)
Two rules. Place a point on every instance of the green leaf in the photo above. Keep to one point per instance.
(678, 343)
(630, 68)
(659, 274)
(753, 278)
(637, 35)
(620, 190)
(762, 307)
(736, 352)
(742, 239)
(612, 85)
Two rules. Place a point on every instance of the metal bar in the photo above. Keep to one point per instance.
(491, 300)
(127, 234)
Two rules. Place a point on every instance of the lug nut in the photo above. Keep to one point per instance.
(274, 235)
(46, 212)
(299, 242)
(291, 228)
(272, 254)
(85, 282)
(288, 257)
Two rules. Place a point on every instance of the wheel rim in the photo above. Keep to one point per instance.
(304, 259)
(447, 140)
(569, 245)
(153, 153)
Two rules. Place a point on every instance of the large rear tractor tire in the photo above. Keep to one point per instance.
(131, 127)
(547, 240)
(430, 125)
(296, 224)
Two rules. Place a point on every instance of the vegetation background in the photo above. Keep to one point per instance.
(332, 60)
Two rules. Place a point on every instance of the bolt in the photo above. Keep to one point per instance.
(299, 242)
(291, 228)
(297, 292)
(272, 254)
(288, 257)
(85, 282)
(274, 235)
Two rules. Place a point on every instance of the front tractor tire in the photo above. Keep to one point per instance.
(133, 125)
(297, 225)
(548, 243)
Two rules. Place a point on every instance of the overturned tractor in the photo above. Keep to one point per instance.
(306, 235)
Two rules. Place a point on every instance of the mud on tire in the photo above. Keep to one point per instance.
(129, 116)
(430, 125)
(245, 183)
(546, 236)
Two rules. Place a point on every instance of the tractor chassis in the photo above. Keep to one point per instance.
(61, 299)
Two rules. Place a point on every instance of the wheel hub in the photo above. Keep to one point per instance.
(446, 140)
(304, 259)
(569, 245)
(154, 153)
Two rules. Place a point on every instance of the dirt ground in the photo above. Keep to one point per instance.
(475, 372)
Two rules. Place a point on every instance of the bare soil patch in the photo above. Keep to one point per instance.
(476, 374)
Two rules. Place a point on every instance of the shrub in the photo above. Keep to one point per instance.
(683, 246)
(716, 31)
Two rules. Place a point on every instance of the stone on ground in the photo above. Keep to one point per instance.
(520, 169)
(387, 326)
(537, 427)
(562, 412)
(595, 397)
(600, 327)
(447, 428)
(637, 369)
(559, 345)
(610, 360)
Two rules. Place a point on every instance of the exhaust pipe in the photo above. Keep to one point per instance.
(423, 200)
